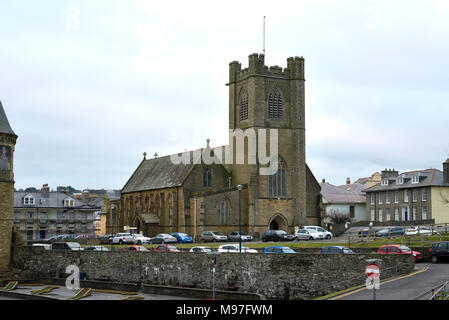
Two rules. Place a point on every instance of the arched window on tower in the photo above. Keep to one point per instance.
(243, 105)
(275, 104)
(207, 177)
(277, 184)
(224, 212)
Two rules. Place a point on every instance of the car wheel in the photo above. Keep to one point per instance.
(434, 259)
(139, 242)
(120, 242)
(310, 238)
(214, 240)
(151, 241)
(328, 236)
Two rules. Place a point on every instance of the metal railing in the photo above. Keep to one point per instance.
(440, 292)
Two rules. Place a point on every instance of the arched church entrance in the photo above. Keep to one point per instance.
(278, 222)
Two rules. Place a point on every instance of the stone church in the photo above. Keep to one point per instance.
(164, 196)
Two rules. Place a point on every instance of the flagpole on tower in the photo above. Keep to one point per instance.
(264, 35)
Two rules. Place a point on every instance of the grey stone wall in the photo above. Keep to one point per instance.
(284, 276)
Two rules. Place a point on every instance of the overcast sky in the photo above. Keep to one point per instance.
(88, 86)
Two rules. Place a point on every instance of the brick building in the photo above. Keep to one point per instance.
(266, 105)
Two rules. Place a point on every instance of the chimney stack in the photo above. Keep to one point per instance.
(446, 171)
(348, 181)
(45, 189)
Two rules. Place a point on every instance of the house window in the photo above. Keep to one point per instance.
(396, 197)
(69, 203)
(385, 182)
(277, 182)
(351, 212)
(415, 179)
(414, 212)
(414, 195)
(372, 198)
(400, 180)
(17, 217)
(372, 214)
(424, 213)
(380, 215)
(387, 214)
(396, 214)
(387, 197)
(424, 194)
(243, 105)
(275, 105)
(207, 177)
(380, 197)
(405, 195)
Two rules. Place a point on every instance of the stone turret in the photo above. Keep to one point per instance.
(7, 146)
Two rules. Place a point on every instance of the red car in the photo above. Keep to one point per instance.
(137, 248)
(167, 248)
(400, 249)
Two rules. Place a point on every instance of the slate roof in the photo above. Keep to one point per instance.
(334, 194)
(157, 173)
(51, 199)
(4, 123)
(428, 177)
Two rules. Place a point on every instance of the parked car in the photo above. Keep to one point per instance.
(182, 237)
(202, 249)
(234, 236)
(122, 238)
(279, 249)
(213, 236)
(137, 248)
(277, 235)
(43, 245)
(107, 238)
(96, 248)
(336, 249)
(439, 251)
(421, 230)
(84, 236)
(234, 248)
(308, 234)
(364, 232)
(393, 231)
(400, 249)
(75, 246)
(141, 239)
(327, 234)
(167, 248)
(163, 238)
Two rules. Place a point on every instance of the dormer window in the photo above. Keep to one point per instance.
(415, 179)
(385, 182)
(28, 200)
(69, 202)
(400, 180)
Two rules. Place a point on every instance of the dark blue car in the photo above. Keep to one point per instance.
(182, 237)
(278, 249)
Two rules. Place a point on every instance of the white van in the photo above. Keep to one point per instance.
(45, 246)
(327, 234)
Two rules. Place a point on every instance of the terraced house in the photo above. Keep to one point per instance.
(421, 195)
(44, 214)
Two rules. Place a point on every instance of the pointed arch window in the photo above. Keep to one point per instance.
(243, 105)
(275, 104)
(224, 212)
(277, 184)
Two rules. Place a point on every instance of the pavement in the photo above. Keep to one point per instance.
(62, 293)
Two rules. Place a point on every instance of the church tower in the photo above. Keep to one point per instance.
(271, 99)
(7, 144)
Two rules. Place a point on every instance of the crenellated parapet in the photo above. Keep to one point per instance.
(257, 67)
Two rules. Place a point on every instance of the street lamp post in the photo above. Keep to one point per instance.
(239, 187)
(112, 224)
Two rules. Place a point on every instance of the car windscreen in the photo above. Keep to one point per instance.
(218, 233)
(182, 234)
(281, 232)
(404, 248)
(73, 244)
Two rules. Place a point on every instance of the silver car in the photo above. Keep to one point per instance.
(213, 236)
(308, 234)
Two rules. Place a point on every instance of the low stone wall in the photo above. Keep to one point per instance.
(392, 223)
(274, 276)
